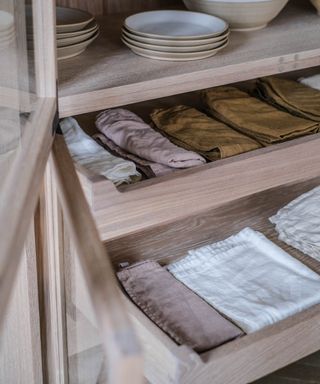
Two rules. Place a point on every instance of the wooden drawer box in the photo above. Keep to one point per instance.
(244, 359)
(125, 210)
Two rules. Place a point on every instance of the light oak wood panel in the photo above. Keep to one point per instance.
(120, 345)
(20, 345)
(98, 7)
(95, 7)
(106, 74)
(44, 20)
(170, 198)
(50, 251)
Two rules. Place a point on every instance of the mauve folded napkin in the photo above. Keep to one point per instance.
(249, 279)
(178, 311)
(292, 96)
(132, 134)
(85, 151)
(148, 168)
(253, 117)
(193, 130)
(298, 223)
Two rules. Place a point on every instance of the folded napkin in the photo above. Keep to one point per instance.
(298, 223)
(132, 134)
(174, 308)
(148, 168)
(311, 81)
(249, 279)
(292, 96)
(193, 130)
(85, 151)
(253, 117)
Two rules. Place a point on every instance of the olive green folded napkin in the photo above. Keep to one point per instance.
(292, 96)
(253, 117)
(189, 128)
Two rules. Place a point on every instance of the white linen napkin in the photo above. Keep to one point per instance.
(249, 279)
(298, 223)
(87, 152)
(311, 81)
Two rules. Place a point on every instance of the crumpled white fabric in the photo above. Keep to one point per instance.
(298, 223)
(311, 81)
(87, 152)
(249, 279)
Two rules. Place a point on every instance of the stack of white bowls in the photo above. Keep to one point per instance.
(175, 35)
(242, 15)
(76, 30)
(7, 29)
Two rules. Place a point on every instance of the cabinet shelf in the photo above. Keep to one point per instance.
(108, 74)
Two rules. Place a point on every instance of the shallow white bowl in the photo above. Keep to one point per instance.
(242, 15)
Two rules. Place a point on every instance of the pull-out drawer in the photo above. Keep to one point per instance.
(168, 198)
(236, 362)
(249, 357)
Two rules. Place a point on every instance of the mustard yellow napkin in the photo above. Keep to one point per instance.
(253, 117)
(292, 96)
(193, 130)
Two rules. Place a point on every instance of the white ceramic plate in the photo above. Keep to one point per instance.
(169, 56)
(175, 25)
(75, 39)
(76, 49)
(92, 26)
(174, 43)
(163, 48)
(6, 21)
(70, 19)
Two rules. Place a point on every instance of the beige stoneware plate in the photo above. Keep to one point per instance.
(75, 39)
(169, 56)
(163, 48)
(76, 49)
(71, 20)
(92, 26)
(175, 43)
(175, 25)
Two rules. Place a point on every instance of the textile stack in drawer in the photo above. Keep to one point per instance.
(233, 287)
(231, 122)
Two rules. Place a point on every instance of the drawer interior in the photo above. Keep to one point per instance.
(170, 242)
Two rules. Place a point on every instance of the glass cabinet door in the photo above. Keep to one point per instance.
(27, 115)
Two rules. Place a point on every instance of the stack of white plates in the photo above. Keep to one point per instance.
(175, 35)
(7, 29)
(76, 30)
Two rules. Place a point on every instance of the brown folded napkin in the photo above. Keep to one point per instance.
(191, 129)
(292, 96)
(132, 134)
(148, 168)
(179, 312)
(253, 117)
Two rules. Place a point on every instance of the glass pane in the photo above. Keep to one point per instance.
(18, 100)
(85, 353)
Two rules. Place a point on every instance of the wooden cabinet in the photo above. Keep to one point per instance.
(83, 314)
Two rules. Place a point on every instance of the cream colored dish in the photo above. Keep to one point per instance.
(242, 15)
(170, 56)
(75, 49)
(164, 48)
(174, 43)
